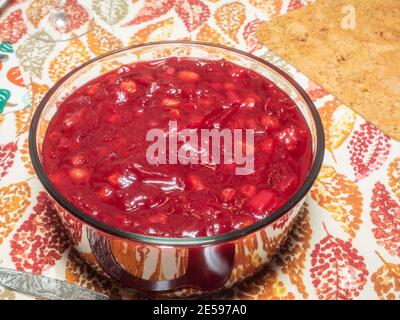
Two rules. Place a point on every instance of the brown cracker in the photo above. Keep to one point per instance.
(361, 67)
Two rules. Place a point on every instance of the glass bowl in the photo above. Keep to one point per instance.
(175, 266)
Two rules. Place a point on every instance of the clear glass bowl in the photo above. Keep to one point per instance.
(268, 230)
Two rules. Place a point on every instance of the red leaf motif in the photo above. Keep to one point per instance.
(13, 27)
(369, 148)
(193, 13)
(315, 92)
(7, 155)
(250, 37)
(338, 272)
(385, 215)
(295, 4)
(40, 241)
(281, 222)
(151, 10)
(76, 13)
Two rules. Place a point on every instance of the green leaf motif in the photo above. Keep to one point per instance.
(4, 96)
(32, 53)
(6, 47)
(111, 11)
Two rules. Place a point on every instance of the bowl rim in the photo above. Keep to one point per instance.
(166, 241)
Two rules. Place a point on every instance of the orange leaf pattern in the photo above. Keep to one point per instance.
(230, 18)
(74, 54)
(292, 256)
(37, 10)
(270, 8)
(37, 93)
(341, 197)
(14, 199)
(394, 176)
(101, 41)
(154, 32)
(22, 120)
(208, 33)
(79, 273)
(266, 285)
(24, 151)
(14, 76)
(338, 124)
(386, 281)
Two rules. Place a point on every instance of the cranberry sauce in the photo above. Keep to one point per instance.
(95, 148)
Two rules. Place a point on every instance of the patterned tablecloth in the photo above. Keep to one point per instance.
(346, 244)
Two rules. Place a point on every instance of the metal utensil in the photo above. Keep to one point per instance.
(3, 57)
(45, 287)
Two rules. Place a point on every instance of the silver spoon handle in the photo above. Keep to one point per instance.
(45, 287)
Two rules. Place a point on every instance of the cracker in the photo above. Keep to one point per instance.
(360, 66)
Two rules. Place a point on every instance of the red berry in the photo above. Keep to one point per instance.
(230, 86)
(128, 86)
(287, 185)
(249, 102)
(196, 182)
(77, 159)
(243, 221)
(111, 79)
(289, 137)
(79, 175)
(93, 89)
(68, 122)
(267, 145)
(113, 180)
(237, 72)
(170, 71)
(105, 192)
(269, 122)
(188, 76)
(170, 102)
(248, 190)
(228, 194)
(261, 200)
